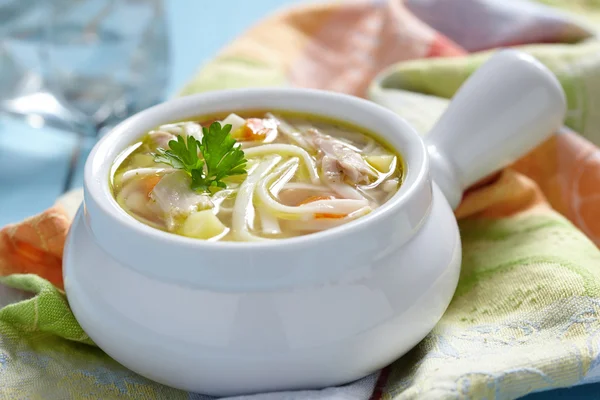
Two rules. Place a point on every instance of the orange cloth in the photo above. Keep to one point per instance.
(35, 245)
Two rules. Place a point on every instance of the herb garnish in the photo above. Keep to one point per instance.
(220, 157)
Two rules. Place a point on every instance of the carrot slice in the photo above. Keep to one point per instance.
(254, 129)
(328, 215)
(149, 183)
(312, 199)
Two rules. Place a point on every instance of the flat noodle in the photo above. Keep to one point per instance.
(287, 171)
(316, 225)
(243, 210)
(369, 147)
(268, 222)
(305, 211)
(382, 176)
(342, 141)
(127, 175)
(291, 132)
(306, 186)
(287, 149)
(344, 190)
(220, 197)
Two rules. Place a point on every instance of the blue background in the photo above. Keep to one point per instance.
(32, 176)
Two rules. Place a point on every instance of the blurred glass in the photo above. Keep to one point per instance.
(81, 65)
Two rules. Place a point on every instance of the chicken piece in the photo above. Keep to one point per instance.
(161, 138)
(332, 170)
(134, 194)
(175, 198)
(338, 160)
(168, 132)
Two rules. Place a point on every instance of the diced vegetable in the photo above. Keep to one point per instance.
(235, 121)
(256, 129)
(202, 225)
(252, 130)
(391, 185)
(382, 163)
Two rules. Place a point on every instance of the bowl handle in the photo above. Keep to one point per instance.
(511, 104)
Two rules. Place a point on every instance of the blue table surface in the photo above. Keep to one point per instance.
(31, 177)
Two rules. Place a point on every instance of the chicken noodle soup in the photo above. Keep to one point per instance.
(254, 176)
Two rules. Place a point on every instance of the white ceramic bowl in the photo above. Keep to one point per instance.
(324, 309)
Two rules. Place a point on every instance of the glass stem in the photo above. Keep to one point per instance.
(73, 162)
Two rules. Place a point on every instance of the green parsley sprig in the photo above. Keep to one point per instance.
(220, 157)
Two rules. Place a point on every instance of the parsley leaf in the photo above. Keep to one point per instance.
(181, 155)
(220, 157)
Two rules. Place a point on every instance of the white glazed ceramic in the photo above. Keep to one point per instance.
(226, 318)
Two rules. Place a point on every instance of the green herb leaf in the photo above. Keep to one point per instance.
(220, 157)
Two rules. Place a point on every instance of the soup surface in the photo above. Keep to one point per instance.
(254, 176)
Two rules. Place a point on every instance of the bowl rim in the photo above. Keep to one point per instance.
(97, 188)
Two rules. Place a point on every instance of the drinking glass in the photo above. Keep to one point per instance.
(81, 65)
